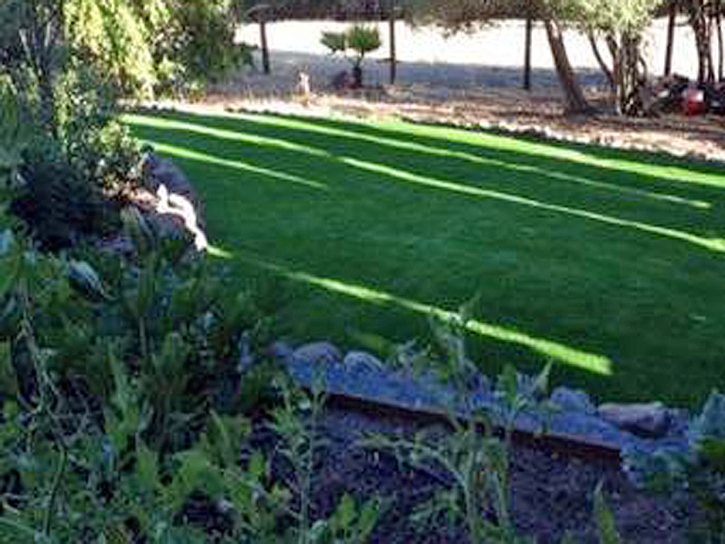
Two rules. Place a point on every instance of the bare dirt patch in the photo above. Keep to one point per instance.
(507, 109)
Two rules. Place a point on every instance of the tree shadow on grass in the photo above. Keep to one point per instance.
(647, 302)
(561, 185)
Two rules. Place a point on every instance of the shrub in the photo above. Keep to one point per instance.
(117, 436)
(195, 45)
(58, 206)
(700, 470)
(359, 39)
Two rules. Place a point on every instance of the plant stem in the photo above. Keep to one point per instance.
(143, 339)
(57, 479)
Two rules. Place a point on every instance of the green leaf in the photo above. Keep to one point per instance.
(713, 451)
(606, 524)
(85, 280)
(541, 382)
(346, 511)
(509, 383)
(336, 42)
(368, 519)
(257, 465)
(147, 467)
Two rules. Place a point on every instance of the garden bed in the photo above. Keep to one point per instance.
(552, 494)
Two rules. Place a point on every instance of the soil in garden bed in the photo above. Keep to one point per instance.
(552, 494)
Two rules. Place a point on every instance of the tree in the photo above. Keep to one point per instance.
(705, 16)
(621, 24)
(31, 38)
(359, 39)
(465, 15)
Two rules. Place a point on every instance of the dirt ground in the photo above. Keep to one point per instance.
(469, 96)
(551, 494)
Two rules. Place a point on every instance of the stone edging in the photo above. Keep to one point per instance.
(639, 429)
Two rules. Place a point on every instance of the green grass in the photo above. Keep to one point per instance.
(610, 263)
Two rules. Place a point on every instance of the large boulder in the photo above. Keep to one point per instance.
(158, 171)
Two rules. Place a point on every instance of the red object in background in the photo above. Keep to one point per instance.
(693, 101)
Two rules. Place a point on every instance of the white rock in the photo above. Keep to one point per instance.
(358, 360)
(650, 419)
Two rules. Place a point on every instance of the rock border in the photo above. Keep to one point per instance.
(640, 429)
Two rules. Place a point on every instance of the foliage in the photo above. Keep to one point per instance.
(138, 46)
(359, 39)
(608, 533)
(471, 456)
(296, 423)
(113, 36)
(111, 423)
(700, 470)
(14, 136)
(57, 204)
(621, 23)
(197, 43)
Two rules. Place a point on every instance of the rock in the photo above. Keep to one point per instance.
(318, 353)
(650, 420)
(159, 171)
(573, 400)
(281, 350)
(361, 360)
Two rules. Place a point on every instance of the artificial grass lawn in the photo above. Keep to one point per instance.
(610, 263)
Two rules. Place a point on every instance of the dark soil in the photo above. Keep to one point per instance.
(552, 494)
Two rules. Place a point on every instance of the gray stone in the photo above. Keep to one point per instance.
(651, 420)
(573, 400)
(281, 350)
(318, 353)
(359, 360)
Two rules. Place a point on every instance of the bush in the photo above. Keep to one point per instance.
(59, 206)
(360, 39)
(699, 471)
(196, 45)
(120, 434)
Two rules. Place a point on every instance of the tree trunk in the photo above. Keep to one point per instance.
(672, 21)
(600, 60)
(357, 76)
(263, 41)
(527, 50)
(393, 51)
(630, 82)
(574, 99)
(720, 44)
(40, 42)
(701, 27)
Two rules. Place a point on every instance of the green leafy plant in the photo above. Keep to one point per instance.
(471, 455)
(296, 423)
(358, 39)
(108, 428)
(606, 525)
(13, 136)
(700, 470)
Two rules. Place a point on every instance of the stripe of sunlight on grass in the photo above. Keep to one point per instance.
(203, 130)
(184, 153)
(484, 140)
(712, 244)
(596, 364)
(679, 174)
(397, 143)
